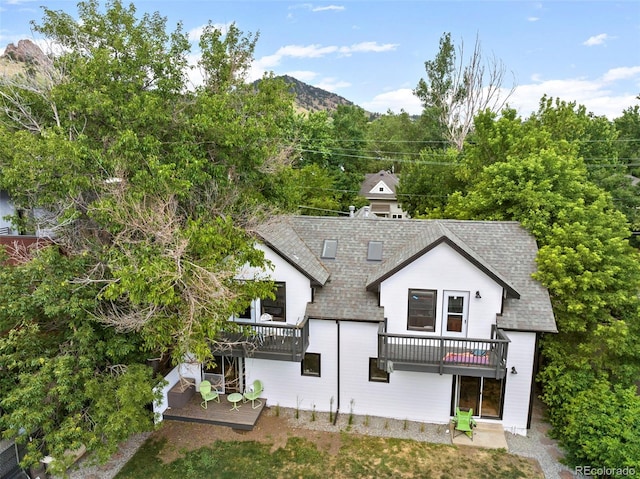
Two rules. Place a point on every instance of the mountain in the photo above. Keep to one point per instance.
(310, 98)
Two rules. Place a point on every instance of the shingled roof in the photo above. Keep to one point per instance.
(348, 284)
(372, 179)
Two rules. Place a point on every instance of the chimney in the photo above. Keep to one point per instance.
(366, 211)
(352, 209)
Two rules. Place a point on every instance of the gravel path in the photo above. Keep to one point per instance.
(536, 445)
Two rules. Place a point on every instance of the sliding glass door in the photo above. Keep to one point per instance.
(483, 395)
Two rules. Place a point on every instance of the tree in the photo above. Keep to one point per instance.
(397, 139)
(628, 141)
(455, 91)
(150, 188)
(530, 172)
(425, 184)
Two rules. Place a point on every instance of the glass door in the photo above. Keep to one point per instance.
(469, 393)
(454, 313)
(484, 395)
(228, 371)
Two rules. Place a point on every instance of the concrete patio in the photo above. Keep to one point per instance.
(486, 434)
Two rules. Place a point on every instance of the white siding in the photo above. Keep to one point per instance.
(184, 370)
(442, 269)
(6, 209)
(518, 386)
(283, 381)
(415, 396)
(408, 395)
(298, 285)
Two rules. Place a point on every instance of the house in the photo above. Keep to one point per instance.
(380, 189)
(6, 209)
(401, 320)
(18, 246)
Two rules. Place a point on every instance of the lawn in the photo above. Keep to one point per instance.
(354, 457)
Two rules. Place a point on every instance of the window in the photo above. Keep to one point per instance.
(374, 252)
(277, 307)
(376, 374)
(422, 309)
(381, 189)
(329, 248)
(248, 313)
(455, 308)
(311, 364)
(454, 312)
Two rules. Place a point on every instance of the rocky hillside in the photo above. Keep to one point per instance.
(310, 98)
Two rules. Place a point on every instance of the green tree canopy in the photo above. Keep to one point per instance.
(147, 184)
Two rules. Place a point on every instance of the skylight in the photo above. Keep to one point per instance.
(329, 248)
(374, 252)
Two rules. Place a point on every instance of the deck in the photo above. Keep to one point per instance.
(265, 340)
(443, 355)
(216, 413)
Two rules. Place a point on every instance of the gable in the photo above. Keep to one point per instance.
(347, 285)
(381, 188)
(443, 267)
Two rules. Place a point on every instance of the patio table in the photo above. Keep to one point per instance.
(234, 398)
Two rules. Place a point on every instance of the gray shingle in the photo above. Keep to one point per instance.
(503, 250)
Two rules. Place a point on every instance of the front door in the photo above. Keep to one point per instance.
(454, 313)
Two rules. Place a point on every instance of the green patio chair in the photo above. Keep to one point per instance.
(207, 394)
(464, 423)
(254, 393)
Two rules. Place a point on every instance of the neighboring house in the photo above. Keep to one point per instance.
(380, 189)
(6, 209)
(402, 320)
(17, 245)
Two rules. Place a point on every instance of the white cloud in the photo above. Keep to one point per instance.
(396, 100)
(268, 62)
(596, 40)
(195, 33)
(364, 47)
(305, 51)
(328, 7)
(596, 95)
(621, 73)
(602, 96)
(533, 19)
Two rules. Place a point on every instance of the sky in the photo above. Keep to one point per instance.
(373, 52)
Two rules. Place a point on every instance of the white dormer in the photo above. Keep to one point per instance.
(381, 188)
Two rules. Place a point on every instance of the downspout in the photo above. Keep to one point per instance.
(335, 418)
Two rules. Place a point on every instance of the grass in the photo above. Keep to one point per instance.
(358, 457)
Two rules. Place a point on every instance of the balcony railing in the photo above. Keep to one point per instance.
(265, 340)
(444, 355)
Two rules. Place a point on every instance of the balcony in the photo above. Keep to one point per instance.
(444, 355)
(265, 340)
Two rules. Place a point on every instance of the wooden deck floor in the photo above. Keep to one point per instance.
(216, 413)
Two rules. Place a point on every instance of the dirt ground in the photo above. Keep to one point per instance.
(277, 429)
(183, 436)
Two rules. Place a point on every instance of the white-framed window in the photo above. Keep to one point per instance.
(421, 310)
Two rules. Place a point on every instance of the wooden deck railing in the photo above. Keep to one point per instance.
(443, 354)
(267, 340)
